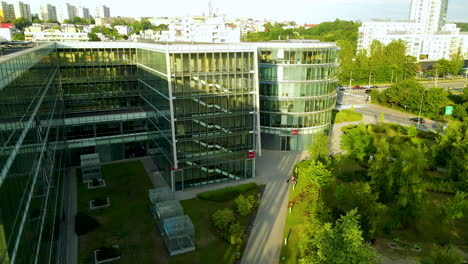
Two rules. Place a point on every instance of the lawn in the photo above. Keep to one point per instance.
(127, 222)
(210, 247)
(345, 115)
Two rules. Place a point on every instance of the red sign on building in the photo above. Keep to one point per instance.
(251, 155)
(172, 168)
(295, 132)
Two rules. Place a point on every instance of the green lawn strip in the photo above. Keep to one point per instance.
(210, 247)
(127, 222)
(294, 220)
(346, 115)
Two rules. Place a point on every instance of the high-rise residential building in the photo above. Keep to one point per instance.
(430, 14)
(193, 108)
(67, 11)
(202, 29)
(48, 13)
(83, 12)
(22, 10)
(7, 11)
(426, 34)
(102, 12)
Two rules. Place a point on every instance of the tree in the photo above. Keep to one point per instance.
(319, 148)
(456, 62)
(442, 67)
(381, 171)
(223, 218)
(244, 204)
(18, 36)
(93, 37)
(21, 23)
(319, 175)
(341, 244)
(358, 142)
(455, 208)
(451, 150)
(443, 255)
(236, 233)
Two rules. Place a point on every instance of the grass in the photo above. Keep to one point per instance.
(294, 220)
(127, 222)
(345, 115)
(210, 247)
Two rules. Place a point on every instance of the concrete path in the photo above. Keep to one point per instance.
(72, 238)
(273, 168)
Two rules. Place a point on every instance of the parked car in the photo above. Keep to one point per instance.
(368, 90)
(357, 87)
(374, 86)
(366, 87)
(343, 88)
(417, 119)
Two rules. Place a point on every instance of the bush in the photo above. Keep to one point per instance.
(223, 218)
(443, 255)
(85, 224)
(236, 232)
(228, 193)
(245, 204)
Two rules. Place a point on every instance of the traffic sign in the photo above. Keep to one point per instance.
(448, 110)
(295, 132)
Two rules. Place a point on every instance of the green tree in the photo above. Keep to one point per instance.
(18, 36)
(381, 171)
(21, 23)
(456, 61)
(244, 204)
(455, 208)
(318, 174)
(319, 149)
(443, 255)
(93, 37)
(357, 142)
(341, 243)
(236, 233)
(451, 150)
(223, 218)
(442, 67)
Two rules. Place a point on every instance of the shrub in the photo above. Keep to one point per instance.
(228, 193)
(236, 232)
(441, 255)
(223, 218)
(244, 204)
(85, 224)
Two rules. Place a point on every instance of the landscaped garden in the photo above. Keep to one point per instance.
(219, 224)
(400, 190)
(126, 222)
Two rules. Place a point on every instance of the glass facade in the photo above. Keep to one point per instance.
(32, 159)
(297, 92)
(195, 109)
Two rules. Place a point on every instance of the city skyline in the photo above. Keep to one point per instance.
(342, 9)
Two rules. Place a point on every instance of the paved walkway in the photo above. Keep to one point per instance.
(273, 168)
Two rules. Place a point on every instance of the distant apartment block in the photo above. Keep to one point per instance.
(83, 12)
(203, 29)
(22, 10)
(48, 13)
(55, 35)
(102, 12)
(426, 34)
(67, 12)
(7, 11)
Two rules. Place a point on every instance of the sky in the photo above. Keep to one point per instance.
(301, 11)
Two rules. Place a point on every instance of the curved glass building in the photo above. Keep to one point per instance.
(297, 92)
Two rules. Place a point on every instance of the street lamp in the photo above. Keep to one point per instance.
(420, 108)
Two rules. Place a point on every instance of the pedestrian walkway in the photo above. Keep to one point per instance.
(273, 168)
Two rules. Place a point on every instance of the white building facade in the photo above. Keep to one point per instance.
(67, 11)
(48, 13)
(203, 29)
(426, 34)
(102, 12)
(22, 10)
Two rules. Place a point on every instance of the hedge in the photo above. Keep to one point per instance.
(227, 193)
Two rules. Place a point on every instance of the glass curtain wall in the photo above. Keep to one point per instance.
(31, 160)
(214, 113)
(297, 94)
(102, 103)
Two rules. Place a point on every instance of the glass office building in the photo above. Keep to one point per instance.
(193, 108)
(298, 81)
